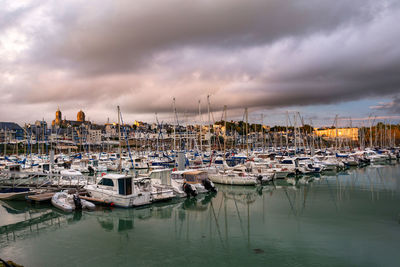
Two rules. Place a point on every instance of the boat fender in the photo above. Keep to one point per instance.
(77, 202)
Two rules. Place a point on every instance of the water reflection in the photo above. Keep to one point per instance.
(121, 220)
(26, 220)
(281, 216)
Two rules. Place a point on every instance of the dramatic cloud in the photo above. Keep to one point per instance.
(392, 107)
(139, 55)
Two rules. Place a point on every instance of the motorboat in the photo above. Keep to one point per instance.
(193, 182)
(122, 190)
(233, 178)
(70, 202)
(14, 193)
(375, 157)
(161, 184)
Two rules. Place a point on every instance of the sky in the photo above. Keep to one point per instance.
(320, 58)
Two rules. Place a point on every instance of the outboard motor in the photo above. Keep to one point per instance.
(189, 189)
(91, 170)
(77, 202)
(209, 186)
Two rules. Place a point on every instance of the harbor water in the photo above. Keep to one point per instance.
(351, 218)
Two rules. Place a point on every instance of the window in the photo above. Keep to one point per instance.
(125, 186)
(106, 182)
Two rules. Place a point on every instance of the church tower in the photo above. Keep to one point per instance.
(81, 116)
(58, 116)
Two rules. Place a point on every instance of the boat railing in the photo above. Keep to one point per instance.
(41, 180)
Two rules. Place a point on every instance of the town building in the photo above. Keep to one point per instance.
(94, 136)
(59, 122)
(341, 133)
(10, 131)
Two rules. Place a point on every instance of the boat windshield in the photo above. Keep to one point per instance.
(106, 182)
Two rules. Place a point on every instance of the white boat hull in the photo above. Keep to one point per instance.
(64, 201)
(129, 201)
(224, 179)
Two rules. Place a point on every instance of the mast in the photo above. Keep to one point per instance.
(26, 141)
(174, 112)
(370, 132)
(225, 132)
(247, 131)
(336, 134)
(304, 136)
(119, 140)
(262, 131)
(312, 147)
(351, 135)
(209, 123)
(5, 142)
(200, 128)
(234, 138)
(385, 131)
(287, 130)
(43, 136)
(295, 133)
(158, 133)
(187, 133)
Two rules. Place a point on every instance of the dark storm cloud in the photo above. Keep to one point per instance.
(256, 54)
(123, 36)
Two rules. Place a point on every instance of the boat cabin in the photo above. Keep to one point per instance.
(219, 160)
(122, 190)
(44, 167)
(13, 167)
(116, 182)
(289, 162)
(78, 164)
(114, 156)
(194, 177)
(164, 175)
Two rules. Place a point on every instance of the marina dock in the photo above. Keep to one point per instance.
(40, 197)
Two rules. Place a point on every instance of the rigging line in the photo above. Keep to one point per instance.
(126, 139)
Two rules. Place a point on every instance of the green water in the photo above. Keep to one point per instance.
(348, 219)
